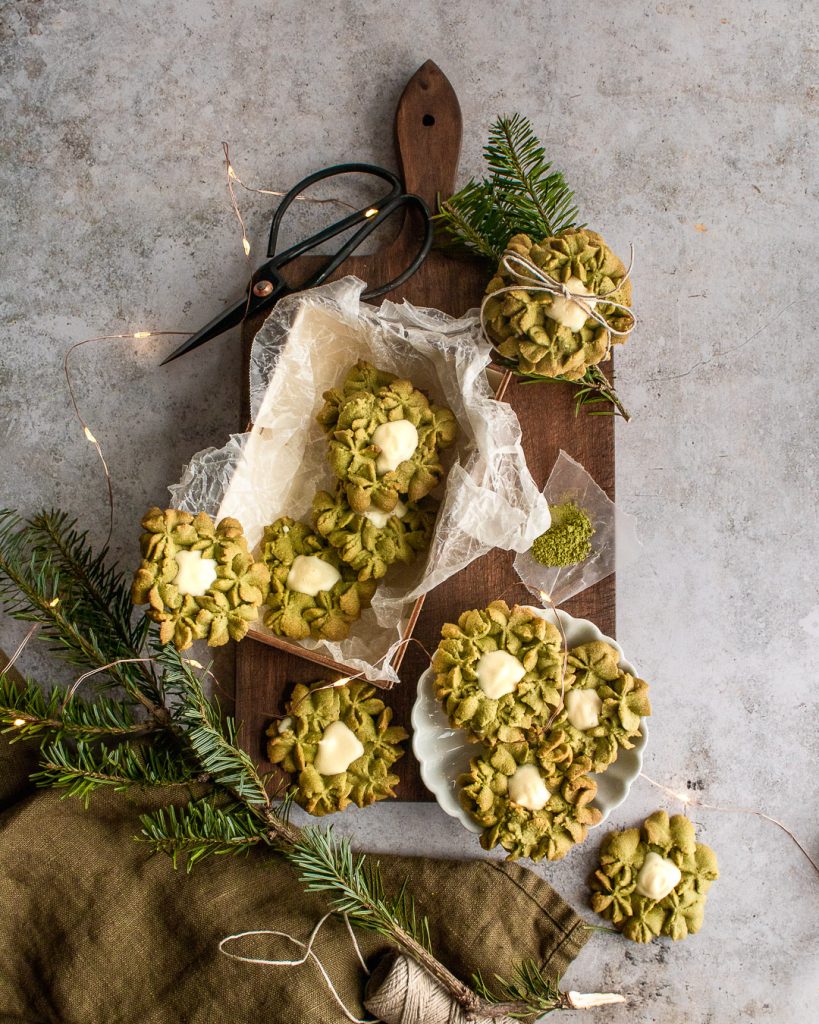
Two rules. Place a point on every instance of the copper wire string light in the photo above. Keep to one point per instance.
(136, 336)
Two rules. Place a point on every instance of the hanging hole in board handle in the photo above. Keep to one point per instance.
(428, 120)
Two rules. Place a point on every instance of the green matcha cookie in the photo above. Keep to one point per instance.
(603, 705)
(344, 727)
(330, 598)
(532, 801)
(385, 438)
(653, 880)
(499, 697)
(370, 542)
(200, 580)
(522, 323)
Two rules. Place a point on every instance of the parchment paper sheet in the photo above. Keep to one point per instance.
(306, 346)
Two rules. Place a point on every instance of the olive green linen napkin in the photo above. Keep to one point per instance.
(94, 931)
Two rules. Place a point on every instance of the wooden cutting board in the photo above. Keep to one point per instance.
(428, 140)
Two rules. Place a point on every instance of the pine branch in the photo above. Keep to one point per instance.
(202, 829)
(522, 194)
(83, 768)
(471, 220)
(529, 994)
(536, 197)
(28, 712)
(33, 588)
(104, 588)
(355, 886)
(211, 739)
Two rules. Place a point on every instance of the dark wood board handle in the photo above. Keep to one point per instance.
(428, 130)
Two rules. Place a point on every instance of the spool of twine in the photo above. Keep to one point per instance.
(400, 991)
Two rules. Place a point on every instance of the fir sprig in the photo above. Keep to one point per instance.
(102, 588)
(326, 863)
(82, 768)
(35, 587)
(212, 738)
(202, 829)
(28, 711)
(536, 198)
(529, 993)
(522, 194)
(594, 392)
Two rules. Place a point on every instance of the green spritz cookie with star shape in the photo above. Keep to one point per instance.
(653, 880)
(385, 438)
(312, 592)
(199, 579)
(602, 704)
(533, 801)
(498, 671)
(371, 541)
(339, 744)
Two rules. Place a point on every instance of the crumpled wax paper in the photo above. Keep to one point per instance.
(305, 347)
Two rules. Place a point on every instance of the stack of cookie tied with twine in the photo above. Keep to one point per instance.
(545, 718)
(385, 440)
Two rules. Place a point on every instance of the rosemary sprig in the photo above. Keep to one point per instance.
(592, 389)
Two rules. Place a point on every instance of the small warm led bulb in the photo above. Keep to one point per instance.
(89, 435)
(19, 722)
(246, 246)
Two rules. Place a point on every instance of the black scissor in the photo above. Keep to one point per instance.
(269, 285)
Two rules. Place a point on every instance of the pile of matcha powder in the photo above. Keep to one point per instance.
(568, 539)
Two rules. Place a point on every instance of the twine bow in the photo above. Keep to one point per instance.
(533, 278)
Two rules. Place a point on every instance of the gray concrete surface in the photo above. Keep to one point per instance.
(685, 128)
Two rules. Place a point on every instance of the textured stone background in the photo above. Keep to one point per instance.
(685, 128)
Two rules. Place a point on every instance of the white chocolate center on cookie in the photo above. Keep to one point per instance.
(566, 311)
(657, 877)
(583, 708)
(380, 519)
(527, 788)
(337, 749)
(397, 440)
(310, 574)
(499, 673)
(195, 575)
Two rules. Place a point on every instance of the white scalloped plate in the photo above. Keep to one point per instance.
(444, 753)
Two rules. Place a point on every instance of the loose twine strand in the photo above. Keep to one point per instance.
(533, 278)
(308, 955)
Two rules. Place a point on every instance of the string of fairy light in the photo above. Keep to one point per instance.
(232, 181)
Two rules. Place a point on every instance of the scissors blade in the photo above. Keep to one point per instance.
(231, 317)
